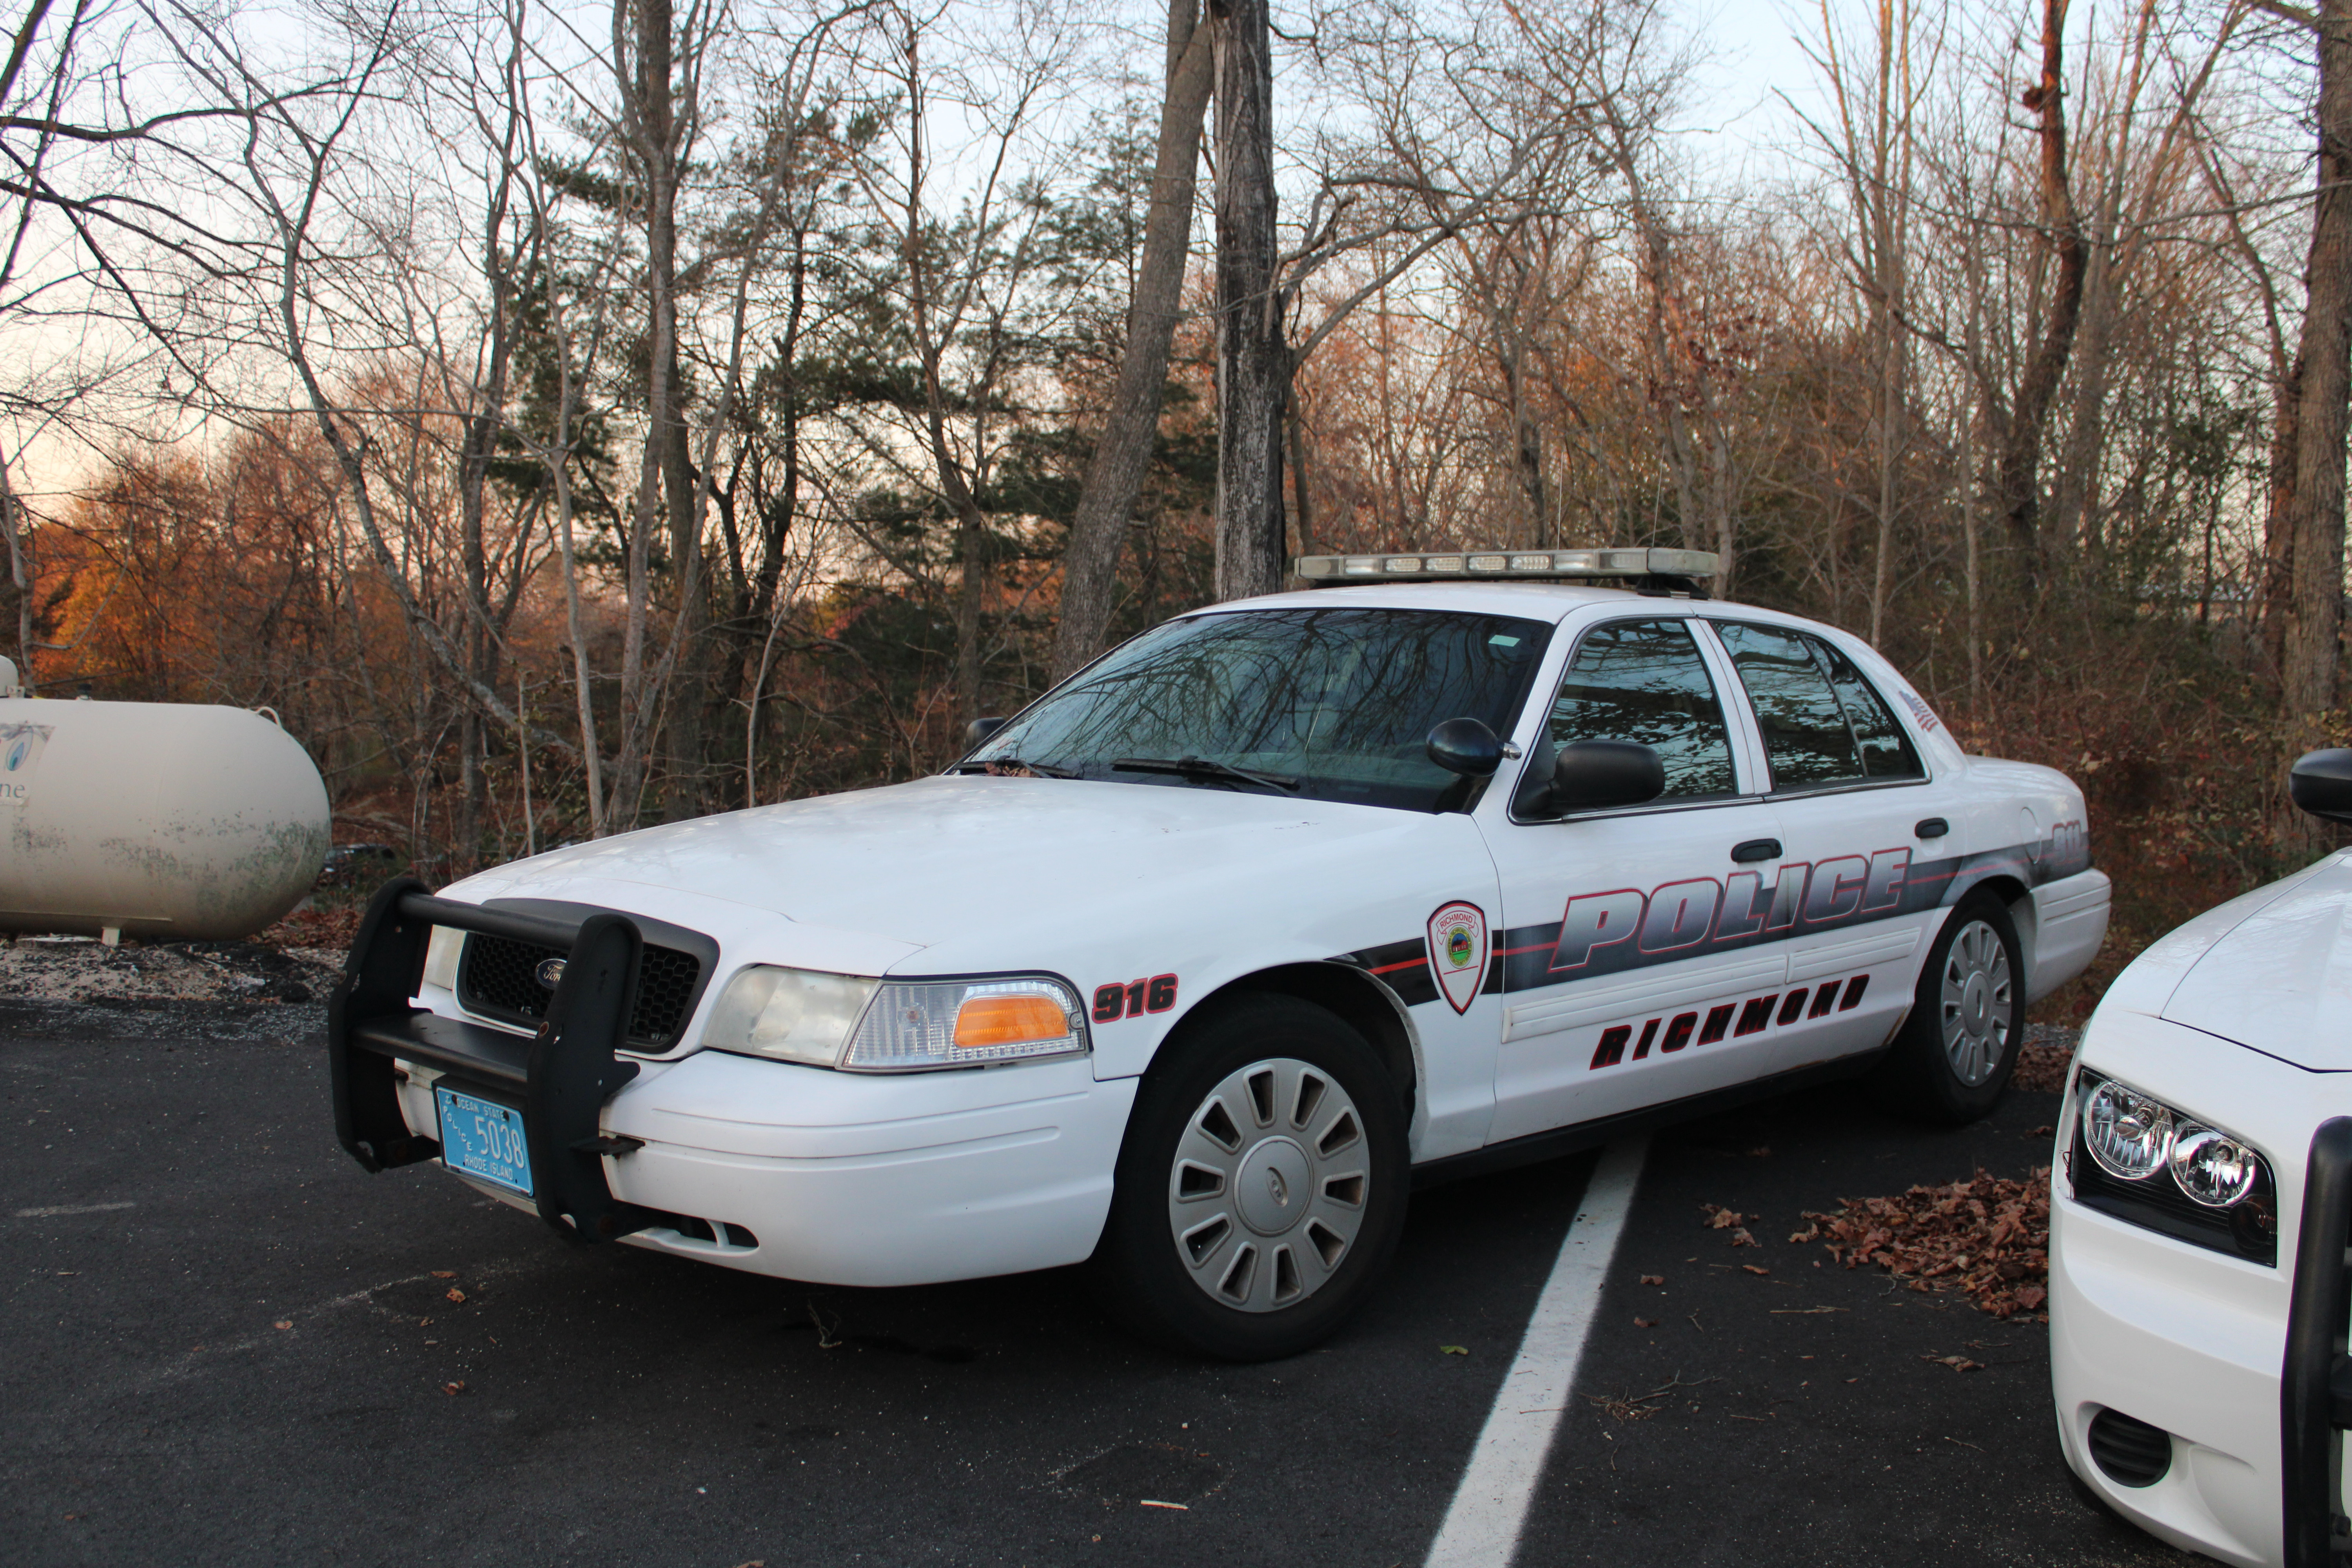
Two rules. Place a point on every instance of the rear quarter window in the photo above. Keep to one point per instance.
(1823, 723)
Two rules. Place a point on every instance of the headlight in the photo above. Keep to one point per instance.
(964, 1023)
(793, 1015)
(2151, 1164)
(2214, 1168)
(2128, 1133)
(873, 1026)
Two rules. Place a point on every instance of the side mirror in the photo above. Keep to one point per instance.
(1465, 746)
(979, 729)
(2321, 784)
(1593, 775)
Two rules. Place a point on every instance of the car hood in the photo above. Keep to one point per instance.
(940, 858)
(2279, 979)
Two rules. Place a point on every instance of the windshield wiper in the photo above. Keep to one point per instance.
(1202, 768)
(1002, 765)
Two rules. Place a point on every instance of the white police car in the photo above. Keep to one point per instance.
(1193, 966)
(2200, 1212)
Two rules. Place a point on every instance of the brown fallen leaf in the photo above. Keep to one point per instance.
(1987, 1237)
(1654, 1278)
(1741, 1238)
(2041, 1068)
(423, 1322)
(1759, 1153)
(1810, 1233)
(1718, 1218)
(444, 1274)
(1957, 1362)
(1645, 1322)
(458, 1387)
(455, 1294)
(282, 1323)
(1753, 1270)
(2034, 1132)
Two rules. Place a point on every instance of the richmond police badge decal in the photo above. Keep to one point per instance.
(1457, 952)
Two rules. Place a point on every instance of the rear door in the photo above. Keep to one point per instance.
(1862, 822)
(1631, 962)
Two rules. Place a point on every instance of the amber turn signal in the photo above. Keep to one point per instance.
(1001, 1020)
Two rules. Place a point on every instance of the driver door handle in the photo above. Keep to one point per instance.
(1756, 849)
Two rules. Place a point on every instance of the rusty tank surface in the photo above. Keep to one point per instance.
(159, 820)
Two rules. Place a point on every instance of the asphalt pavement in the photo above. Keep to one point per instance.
(229, 1344)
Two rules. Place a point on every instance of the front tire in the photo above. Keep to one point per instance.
(1262, 1185)
(1950, 1062)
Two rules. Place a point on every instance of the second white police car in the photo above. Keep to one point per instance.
(1193, 967)
(2200, 1223)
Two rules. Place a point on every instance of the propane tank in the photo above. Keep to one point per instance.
(154, 819)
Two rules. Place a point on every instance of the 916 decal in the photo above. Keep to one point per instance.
(1137, 997)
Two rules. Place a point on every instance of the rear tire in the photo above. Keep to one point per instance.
(1262, 1185)
(1950, 1062)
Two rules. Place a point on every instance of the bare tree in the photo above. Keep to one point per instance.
(1253, 362)
(2321, 381)
(1131, 425)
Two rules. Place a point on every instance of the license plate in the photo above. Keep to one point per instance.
(483, 1139)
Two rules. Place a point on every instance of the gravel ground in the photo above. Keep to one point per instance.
(77, 968)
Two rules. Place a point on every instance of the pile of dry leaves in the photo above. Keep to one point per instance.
(1986, 1236)
(328, 929)
(2043, 1058)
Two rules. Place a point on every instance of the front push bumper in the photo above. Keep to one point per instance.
(798, 1172)
(2245, 1370)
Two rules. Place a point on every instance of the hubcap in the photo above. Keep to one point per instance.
(1268, 1187)
(1978, 1004)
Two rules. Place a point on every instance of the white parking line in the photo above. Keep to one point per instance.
(58, 1209)
(1482, 1528)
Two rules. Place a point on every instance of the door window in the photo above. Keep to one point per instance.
(1886, 752)
(1644, 681)
(1822, 722)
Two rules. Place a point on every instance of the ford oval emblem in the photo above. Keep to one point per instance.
(549, 971)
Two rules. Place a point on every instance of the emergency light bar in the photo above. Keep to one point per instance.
(1686, 566)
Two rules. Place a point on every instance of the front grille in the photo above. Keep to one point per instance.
(500, 979)
(2130, 1453)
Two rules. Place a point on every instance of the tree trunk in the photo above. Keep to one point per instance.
(2316, 616)
(2278, 529)
(972, 544)
(1253, 355)
(2020, 467)
(1131, 430)
(19, 586)
(665, 431)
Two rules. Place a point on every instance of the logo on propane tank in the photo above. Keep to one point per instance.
(20, 750)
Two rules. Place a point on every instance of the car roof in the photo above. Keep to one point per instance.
(1532, 601)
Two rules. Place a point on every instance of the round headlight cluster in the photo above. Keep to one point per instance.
(2134, 1137)
(2214, 1168)
(2128, 1133)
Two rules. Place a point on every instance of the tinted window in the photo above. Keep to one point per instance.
(1807, 740)
(1887, 750)
(1644, 681)
(1341, 700)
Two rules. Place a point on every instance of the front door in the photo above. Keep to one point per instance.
(1632, 954)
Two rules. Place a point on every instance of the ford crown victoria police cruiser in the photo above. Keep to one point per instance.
(1194, 965)
(2200, 1214)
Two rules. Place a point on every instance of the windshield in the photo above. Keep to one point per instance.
(1328, 703)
